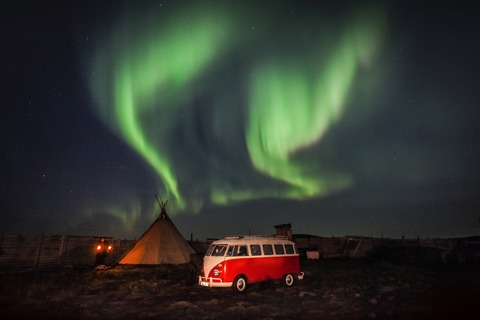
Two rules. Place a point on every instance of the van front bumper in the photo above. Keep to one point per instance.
(213, 282)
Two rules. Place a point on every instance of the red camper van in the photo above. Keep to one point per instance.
(237, 261)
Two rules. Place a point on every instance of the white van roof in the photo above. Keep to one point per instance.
(250, 237)
(254, 240)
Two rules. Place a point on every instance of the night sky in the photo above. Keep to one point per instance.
(341, 118)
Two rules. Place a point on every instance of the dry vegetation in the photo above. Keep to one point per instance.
(332, 289)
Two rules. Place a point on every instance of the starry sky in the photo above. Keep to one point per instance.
(339, 117)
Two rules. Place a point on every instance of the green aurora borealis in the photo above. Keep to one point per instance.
(262, 92)
(340, 117)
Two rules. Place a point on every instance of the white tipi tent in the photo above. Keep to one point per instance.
(162, 243)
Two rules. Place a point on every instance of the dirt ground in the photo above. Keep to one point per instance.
(332, 289)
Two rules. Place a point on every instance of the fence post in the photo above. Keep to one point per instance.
(37, 258)
(61, 250)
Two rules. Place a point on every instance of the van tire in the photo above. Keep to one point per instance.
(289, 279)
(239, 284)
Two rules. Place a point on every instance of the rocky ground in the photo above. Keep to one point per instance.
(332, 289)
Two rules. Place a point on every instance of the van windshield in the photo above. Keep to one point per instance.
(217, 250)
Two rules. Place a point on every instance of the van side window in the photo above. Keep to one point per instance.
(279, 249)
(255, 249)
(240, 251)
(267, 249)
(289, 249)
(230, 251)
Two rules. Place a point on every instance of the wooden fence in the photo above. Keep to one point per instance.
(336, 247)
(42, 251)
(39, 251)
(456, 249)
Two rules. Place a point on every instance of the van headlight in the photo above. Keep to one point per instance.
(216, 272)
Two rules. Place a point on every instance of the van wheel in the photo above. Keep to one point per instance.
(289, 280)
(239, 284)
